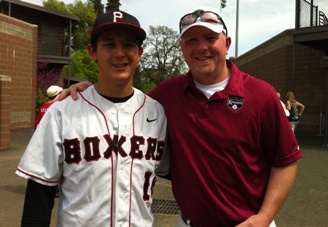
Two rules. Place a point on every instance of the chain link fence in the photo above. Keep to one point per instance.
(312, 13)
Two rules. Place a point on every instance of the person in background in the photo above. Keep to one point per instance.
(104, 148)
(295, 109)
(233, 154)
(283, 105)
(52, 92)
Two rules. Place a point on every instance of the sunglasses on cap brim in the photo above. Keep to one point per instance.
(205, 16)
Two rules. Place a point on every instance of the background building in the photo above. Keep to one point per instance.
(28, 33)
(296, 60)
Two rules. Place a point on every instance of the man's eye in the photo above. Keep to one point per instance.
(191, 40)
(212, 38)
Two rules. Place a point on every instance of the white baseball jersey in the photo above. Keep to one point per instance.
(103, 154)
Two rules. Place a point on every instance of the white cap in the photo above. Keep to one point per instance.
(53, 91)
(215, 27)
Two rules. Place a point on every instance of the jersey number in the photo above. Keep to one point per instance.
(146, 185)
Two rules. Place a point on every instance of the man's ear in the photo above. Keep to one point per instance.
(228, 43)
(181, 46)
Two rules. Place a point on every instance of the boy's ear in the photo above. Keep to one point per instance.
(92, 52)
(141, 49)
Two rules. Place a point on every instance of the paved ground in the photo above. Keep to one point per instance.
(307, 205)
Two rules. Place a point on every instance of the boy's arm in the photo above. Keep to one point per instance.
(38, 205)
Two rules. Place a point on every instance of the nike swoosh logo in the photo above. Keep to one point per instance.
(151, 120)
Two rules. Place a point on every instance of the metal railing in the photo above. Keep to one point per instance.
(311, 13)
(322, 123)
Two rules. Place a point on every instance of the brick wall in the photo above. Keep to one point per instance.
(290, 67)
(43, 19)
(5, 108)
(18, 54)
(309, 83)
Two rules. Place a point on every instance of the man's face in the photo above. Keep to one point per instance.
(205, 53)
(117, 55)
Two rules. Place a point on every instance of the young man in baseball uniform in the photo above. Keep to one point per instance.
(104, 148)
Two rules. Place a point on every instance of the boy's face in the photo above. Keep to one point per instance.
(117, 55)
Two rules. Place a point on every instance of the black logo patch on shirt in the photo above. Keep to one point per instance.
(235, 103)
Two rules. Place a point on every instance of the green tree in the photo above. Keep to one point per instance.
(162, 57)
(87, 15)
(141, 81)
(99, 8)
(57, 5)
(83, 66)
(113, 5)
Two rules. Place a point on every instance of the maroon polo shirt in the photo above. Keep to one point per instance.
(222, 148)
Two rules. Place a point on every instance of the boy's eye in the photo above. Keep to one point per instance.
(130, 44)
(108, 44)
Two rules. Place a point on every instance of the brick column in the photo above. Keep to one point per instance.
(5, 110)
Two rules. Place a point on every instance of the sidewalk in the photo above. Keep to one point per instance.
(306, 206)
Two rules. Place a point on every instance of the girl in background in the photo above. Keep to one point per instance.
(295, 108)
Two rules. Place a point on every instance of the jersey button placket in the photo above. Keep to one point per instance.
(115, 116)
(122, 202)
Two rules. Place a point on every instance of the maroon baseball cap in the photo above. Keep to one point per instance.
(117, 19)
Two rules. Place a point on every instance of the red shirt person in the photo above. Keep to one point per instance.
(233, 154)
(52, 93)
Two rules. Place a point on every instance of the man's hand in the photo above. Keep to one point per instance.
(72, 90)
(256, 221)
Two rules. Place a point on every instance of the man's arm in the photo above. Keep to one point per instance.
(72, 90)
(279, 186)
(38, 205)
